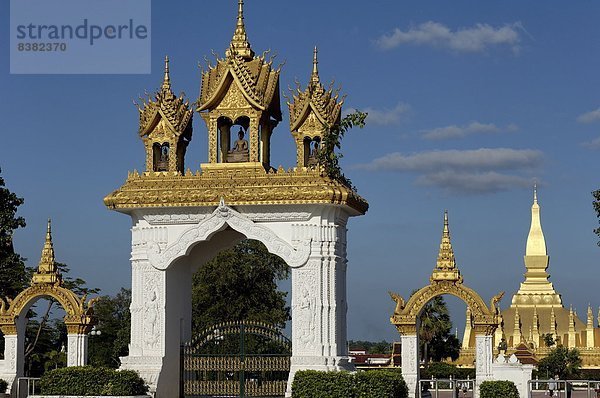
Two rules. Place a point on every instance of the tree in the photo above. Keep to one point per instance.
(371, 347)
(328, 158)
(13, 273)
(596, 203)
(436, 340)
(114, 322)
(562, 361)
(548, 339)
(240, 284)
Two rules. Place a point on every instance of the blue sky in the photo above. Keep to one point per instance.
(469, 103)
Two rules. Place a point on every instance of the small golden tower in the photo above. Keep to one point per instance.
(240, 95)
(47, 271)
(165, 128)
(312, 112)
(446, 269)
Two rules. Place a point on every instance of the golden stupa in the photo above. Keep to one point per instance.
(537, 310)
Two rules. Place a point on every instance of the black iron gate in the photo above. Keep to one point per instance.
(236, 359)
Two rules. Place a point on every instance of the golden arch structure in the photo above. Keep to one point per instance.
(445, 279)
(46, 283)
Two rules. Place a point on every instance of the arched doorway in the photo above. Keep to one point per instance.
(46, 284)
(168, 246)
(445, 279)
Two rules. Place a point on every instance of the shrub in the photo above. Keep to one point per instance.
(371, 384)
(3, 386)
(498, 389)
(315, 384)
(87, 380)
(380, 383)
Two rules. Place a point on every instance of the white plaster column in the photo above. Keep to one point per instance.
(77, 348)
(410, 362)
(483, 361)
(146, 347)
(319, 306)
(14, 359)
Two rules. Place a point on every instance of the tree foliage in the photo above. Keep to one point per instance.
(114, 323)
(436, 340)
(240, 284)
(596, 203)
(562, 361)
(328, 158)
(13, 274)
(372, 347)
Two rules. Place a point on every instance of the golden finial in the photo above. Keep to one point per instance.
(47, 271)
(535, 192)
(239, 43)
(314, 77)
(167, 79)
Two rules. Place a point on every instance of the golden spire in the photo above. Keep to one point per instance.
(47, 271)
(166, 86)
(517, 336)
(446, 254)
(535, 320)
(590, 317)
(314, 76)
(536, 244)
(536, 288)
(571, 319)
(239, 43)
(446, 263)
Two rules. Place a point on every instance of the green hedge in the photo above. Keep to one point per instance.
(87, 380)
(498, 389)
(370, 384)
(3, 386)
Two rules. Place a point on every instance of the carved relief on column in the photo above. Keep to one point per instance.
(139, 268)
(212, 141)
(153, 312)
(254, 141)
(410, 364)
(306, 309)
(483, 357)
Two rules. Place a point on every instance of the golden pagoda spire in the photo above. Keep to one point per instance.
(517, 328)
(314, 76)
(589, 341)
(536, 244)
(239, 42)
(537, 288)
(166, 85)
(590, 317)
(535, 327)
(47, 271)
(446, 263)
(572, 339)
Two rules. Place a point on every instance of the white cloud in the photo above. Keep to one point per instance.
(589, 117)
(472, 39)
(593, 144)
(483, 170)
(474, 183)
(442, 133)
(385, 116)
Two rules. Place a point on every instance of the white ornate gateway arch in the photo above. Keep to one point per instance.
(182, 219)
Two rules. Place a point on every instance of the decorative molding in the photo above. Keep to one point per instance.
(222, 216)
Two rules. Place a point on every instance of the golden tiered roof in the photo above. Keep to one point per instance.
(325, 103)
(167, 106)
(254, 75)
